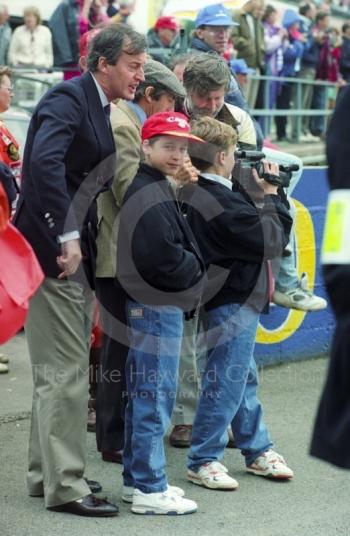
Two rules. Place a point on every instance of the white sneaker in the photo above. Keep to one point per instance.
(4, 359)
(212, 475)
(272, 465)
(128, 492)
(164, 503)
(300, 298)
(3, 368)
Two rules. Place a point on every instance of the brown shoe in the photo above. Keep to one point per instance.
(113, 456)
(231, 440)
(180, 436)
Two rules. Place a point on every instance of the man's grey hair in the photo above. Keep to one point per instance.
(111, 42)
(206, 72)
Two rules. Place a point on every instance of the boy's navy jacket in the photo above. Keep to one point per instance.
(158, 262)
(236, 238)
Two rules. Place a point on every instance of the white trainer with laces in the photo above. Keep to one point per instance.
(213, 475)
(163, 503)
(128, 492)
(271, 465)
(299, 298)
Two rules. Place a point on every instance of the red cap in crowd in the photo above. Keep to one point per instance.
(85, 39)
(167, 22)
(167, 124)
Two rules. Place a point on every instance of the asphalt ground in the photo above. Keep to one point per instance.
(314, 503)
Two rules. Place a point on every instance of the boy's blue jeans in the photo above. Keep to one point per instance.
(151, 376)
(229, 389)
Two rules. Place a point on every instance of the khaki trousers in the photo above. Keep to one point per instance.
(58, 337)
(188, 383)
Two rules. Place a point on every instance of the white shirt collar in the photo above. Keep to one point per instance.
(217, 178)
(102, 95)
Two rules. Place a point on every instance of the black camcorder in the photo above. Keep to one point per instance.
(246, 161)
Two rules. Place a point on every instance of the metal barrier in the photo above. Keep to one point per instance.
(297, 112)
(30, 85)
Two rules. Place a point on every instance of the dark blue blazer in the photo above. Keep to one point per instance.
(69, 155)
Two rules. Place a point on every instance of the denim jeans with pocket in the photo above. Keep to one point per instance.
(155, 334)
(229, 389)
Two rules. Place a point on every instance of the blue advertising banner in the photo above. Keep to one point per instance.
(287, 334)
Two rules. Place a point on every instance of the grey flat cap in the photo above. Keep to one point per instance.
(157, 74)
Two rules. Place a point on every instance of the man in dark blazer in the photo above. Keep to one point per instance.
(69, 157)
(331, 434)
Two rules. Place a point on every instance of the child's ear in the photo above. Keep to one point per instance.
(146, 147)
(221, 156)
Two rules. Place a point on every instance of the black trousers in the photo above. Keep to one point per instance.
(111, 391)
(331, 435)
(283, 102)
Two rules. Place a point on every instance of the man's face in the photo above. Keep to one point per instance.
(209, 104)
(166, 35)
(165, 103)
(122, 79)
(167, 154)
(4, 16)
(6, 93)
(215, 36)
(324, 24)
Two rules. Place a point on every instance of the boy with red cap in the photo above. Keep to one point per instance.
(160, 267)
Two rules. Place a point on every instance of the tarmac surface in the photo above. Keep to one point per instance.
(314, 503)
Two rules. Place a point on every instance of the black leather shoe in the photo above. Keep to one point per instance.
(89, 506)
(180, 436)
(93, 485)
(114, 456)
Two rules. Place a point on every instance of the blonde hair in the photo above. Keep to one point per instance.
(217, 136)
(33, 10)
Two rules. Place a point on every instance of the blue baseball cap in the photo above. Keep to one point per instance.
(239, 66)
(214, 15)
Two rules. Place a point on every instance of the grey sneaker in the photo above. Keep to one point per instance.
(299, 298)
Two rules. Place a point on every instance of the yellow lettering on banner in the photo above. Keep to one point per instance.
(306, 262)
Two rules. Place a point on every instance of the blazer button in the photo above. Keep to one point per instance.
(51, 225)
(47, 215)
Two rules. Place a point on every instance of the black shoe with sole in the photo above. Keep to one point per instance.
(89, 506)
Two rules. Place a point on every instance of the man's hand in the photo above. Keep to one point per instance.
(188, 173)
(266, 187)
(70, 259)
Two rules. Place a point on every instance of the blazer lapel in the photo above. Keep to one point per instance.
(97, 117)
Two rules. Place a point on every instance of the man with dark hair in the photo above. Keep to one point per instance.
(69, 156)
(157, 93)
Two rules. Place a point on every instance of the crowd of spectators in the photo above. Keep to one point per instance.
(298, 42)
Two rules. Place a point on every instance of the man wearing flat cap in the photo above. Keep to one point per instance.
(157, 93)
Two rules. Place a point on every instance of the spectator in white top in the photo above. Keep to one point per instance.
(31, 44)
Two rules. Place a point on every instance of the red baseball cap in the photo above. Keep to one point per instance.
(85, 39)
(166, 22)
(168, 124)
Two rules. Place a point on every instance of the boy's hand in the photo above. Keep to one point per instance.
(188, 173)
(266, 187)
